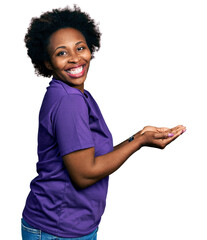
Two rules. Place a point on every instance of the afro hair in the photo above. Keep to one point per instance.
(40, 30)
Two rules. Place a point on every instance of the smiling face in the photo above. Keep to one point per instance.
(69, 57)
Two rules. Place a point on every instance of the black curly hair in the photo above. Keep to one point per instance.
(40, 30)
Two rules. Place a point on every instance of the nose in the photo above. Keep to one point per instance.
(74, 57)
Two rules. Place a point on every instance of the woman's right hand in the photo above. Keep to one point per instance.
(160, 137)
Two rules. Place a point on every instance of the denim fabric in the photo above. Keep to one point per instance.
(30, 233)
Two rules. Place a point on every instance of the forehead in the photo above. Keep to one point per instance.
(65, 36)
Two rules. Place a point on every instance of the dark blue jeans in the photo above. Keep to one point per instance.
(30, 233)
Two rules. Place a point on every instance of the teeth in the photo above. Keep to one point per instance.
(75, 70)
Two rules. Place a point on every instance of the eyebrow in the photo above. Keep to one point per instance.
(59, 47)
(80, 42)
(66, 47)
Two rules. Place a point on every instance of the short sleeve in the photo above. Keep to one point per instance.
(71, 125)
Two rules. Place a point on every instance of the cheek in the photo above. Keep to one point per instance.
(89, 58)
(59, 65)
(87, 55)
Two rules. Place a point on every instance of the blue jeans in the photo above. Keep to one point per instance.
(30, 233)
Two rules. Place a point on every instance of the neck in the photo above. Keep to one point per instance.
(79, 87)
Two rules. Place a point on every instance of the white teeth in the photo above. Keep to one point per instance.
(76, 70)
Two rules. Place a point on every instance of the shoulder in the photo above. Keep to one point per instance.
(72, 101)
(57, 87)
(60, 97)
(59, 92)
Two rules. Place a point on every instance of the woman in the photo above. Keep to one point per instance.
(75, 148)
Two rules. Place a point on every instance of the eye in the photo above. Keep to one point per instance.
(61, 53)
(80, 48)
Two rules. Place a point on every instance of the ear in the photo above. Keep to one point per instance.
(48, 65)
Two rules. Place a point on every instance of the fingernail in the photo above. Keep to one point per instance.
(170, 135)
(184, 130)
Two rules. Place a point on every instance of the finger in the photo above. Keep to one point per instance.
(168, 134)
(171, 139)
(177, 128)
(163, 129)
(172, 130)
(147, 129)
(163, 135)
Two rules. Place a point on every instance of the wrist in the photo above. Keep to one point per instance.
(137, 139)
(142, 140)
(131, 138)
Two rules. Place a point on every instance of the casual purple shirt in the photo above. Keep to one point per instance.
(68, 121)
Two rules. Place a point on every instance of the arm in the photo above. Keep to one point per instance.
(126, 141)
(85, 169)
(145, 129)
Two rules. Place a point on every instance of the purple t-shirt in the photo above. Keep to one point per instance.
(69, 120)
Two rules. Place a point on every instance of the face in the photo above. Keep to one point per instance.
(69, 57)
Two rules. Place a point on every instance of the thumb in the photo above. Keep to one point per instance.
(163, 135)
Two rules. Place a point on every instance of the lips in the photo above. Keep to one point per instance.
(76, 72)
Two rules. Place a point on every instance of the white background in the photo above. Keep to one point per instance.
(150, 70)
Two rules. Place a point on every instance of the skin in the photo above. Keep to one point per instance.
(68, 49)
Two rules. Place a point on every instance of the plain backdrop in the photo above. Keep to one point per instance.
(150, 70)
